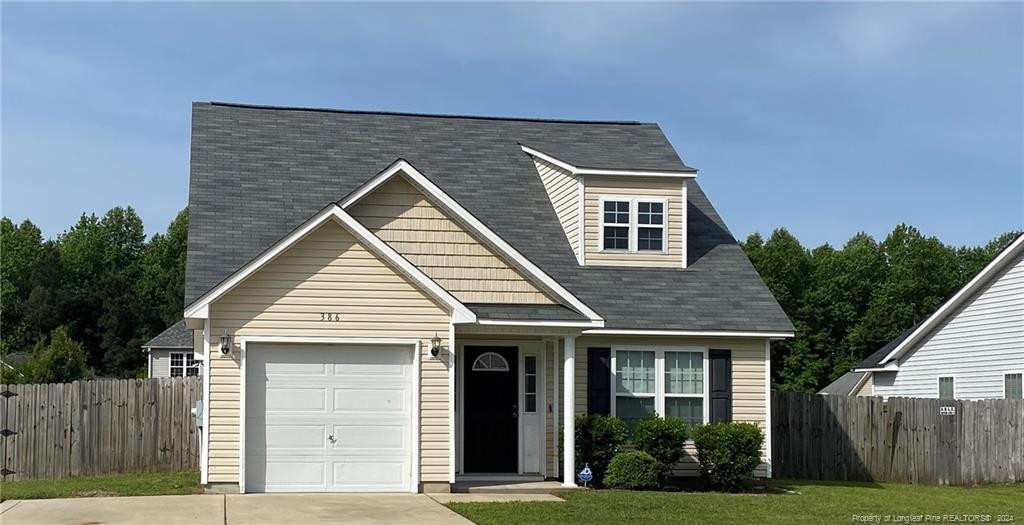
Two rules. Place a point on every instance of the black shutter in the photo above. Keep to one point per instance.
(599, 378)
(720, 390)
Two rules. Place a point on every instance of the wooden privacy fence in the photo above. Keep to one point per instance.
(903, 439)
(98, 427)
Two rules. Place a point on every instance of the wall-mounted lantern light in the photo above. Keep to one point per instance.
(435, 346)
(225, 343)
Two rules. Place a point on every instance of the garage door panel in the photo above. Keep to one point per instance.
(298, 396)
(282, 436)
(292, 399)
(381, 474)
(361, 438)
(377, 400)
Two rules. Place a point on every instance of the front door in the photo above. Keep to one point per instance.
(491, 436)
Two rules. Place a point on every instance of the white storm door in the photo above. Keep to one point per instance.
(530, 416)
(328, 418)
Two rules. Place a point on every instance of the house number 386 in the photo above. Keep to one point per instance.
(330, 316)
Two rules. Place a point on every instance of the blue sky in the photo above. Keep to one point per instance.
(827, 119)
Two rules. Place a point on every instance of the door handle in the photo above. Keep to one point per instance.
(515, 410)
(331, 439)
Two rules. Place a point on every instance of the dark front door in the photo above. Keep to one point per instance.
(491, 437)
(720, 374)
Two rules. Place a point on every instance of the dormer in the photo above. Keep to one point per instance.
(618, 217)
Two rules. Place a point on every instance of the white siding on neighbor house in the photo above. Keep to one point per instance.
(564, 191)
(328, 271)
(976, 344)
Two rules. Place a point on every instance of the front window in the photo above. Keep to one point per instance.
(684, 386)
(635, 386)
(634, 225)
(184, 364)
(946, 388)
(669, 382)
(1012, 386)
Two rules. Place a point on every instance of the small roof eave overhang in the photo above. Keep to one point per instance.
(580, 170)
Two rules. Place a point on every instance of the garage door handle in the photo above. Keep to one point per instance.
(331, 439)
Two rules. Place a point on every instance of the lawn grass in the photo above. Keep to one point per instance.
(150, 484)
(811, 502)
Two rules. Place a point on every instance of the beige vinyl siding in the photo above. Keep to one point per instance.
(197, 343)
(415, 227)
(748, 376)
(563, 190)
(868, 388)
(596, 187)
(328, 271)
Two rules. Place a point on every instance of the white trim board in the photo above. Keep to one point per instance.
(694, 333)
(424, 184)
(965, 293)
(597, 171)
(460, 313)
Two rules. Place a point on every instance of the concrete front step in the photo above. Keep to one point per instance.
(508, 487)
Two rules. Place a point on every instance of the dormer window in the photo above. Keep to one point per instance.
(634, 225)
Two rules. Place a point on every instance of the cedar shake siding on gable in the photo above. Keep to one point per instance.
(328, 271)
(596, 187)
(448, 253)
(563, 190)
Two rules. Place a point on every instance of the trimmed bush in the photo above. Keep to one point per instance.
(598, 439)
(728, 453)
(636, 470)
(663, 439)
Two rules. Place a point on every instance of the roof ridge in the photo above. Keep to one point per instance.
(426, 115)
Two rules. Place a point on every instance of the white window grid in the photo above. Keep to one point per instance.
(529, 393)
(185, 364)
(634, 226)
(659, 393)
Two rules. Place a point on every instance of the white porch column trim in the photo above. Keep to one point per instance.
(569, 411)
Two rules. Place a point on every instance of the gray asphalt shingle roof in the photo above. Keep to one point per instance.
(175, 336)
(258, 172)
(527, 312)
(843, 385)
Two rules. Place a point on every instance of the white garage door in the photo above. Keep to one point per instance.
(328, 418)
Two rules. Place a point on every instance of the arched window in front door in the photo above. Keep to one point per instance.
(490, 362)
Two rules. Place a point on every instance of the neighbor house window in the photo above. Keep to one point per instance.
(615, 225)
(184, 364)
(669, 382)
(1012, 388)
(946, 388)
(635, 225)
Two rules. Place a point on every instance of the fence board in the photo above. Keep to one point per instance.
(902, 439)
(99, 427)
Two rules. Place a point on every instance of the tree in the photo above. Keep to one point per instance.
(62, 360)
(162, 282)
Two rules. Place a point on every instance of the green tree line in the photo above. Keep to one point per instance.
(847, 303)
(83, 303)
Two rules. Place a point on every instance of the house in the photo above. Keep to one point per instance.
(394, 302)
(172, 353)
(849, 384)
(972, 347)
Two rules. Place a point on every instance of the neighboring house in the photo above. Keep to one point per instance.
(972, 347)
(848, 384)
(393, 302)
(171, 354)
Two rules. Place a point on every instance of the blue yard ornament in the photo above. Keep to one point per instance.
(586, 475)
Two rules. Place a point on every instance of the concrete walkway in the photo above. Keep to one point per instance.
(211, 509)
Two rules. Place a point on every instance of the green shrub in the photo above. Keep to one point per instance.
(598, 439)
(663, 439)
(636, 470)
(728, 453)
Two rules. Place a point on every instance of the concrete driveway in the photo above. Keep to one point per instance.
(214, 509)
